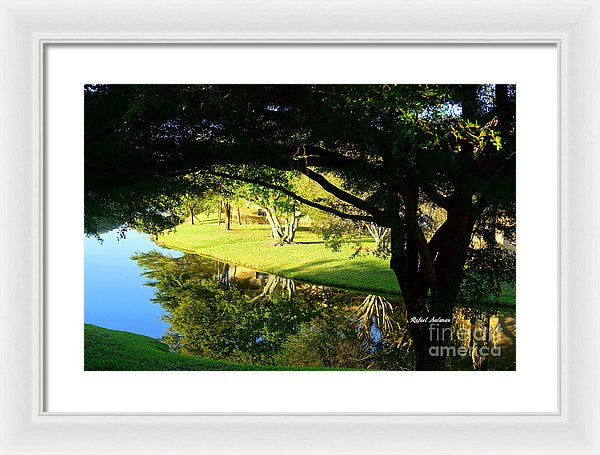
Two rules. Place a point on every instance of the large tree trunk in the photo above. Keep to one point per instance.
(191, 210)
(219, 211)
(239, 216)
(430, 339)
(429, 275)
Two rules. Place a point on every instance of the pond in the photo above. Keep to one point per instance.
(200, 306)
(114, 291)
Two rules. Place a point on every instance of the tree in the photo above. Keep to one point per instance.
(280, 209)
(393, 147)
(191, 203)
(227, 190)
(227, 207)
(381, 236)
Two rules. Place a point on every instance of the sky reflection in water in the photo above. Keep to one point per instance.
(115, 295)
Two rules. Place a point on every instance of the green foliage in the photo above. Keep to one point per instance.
(191, 127)
(347, 336)
(337, 233)
(490, 268)
(214, 316)
(264, 196)
(328, 343)
(210, 319)
(489, 277)
(223, 324)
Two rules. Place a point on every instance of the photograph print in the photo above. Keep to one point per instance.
(300, 227)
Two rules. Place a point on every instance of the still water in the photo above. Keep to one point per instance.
(115, 295)
(203, 307)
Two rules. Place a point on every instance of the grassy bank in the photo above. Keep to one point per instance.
(308, 260)
(112, 350)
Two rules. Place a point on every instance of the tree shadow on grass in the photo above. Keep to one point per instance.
(304, 266)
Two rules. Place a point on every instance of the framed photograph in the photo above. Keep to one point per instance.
(260, 228)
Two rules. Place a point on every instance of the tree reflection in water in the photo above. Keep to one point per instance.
(288, 288)
(227, 312)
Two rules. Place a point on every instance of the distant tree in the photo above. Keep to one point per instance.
(192, 204)
(281, 210)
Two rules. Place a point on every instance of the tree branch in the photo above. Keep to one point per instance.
(412, 177)
(341, 194)
(293, 195)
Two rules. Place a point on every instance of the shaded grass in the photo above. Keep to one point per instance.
(115, 350)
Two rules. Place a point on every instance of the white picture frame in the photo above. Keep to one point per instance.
(28, 26)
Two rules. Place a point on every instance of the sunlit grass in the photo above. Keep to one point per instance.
(308, 260)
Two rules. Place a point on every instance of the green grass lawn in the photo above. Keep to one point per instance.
(115, 350)
(308, 260)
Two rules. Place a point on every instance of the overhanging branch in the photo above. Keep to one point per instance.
(293, 195)
(341, 194)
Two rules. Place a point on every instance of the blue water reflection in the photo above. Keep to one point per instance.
(115, 295)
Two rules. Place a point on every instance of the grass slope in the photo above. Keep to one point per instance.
(308, 260)
(116, 350)
(107, 349)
